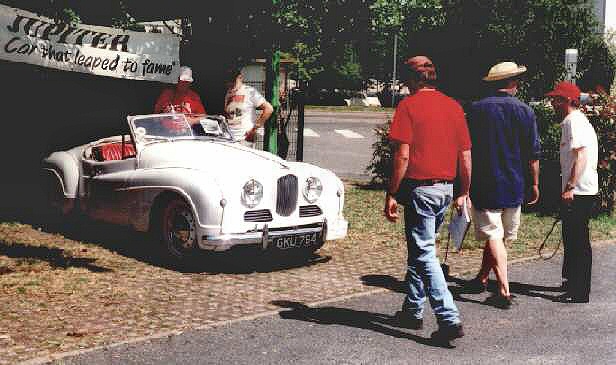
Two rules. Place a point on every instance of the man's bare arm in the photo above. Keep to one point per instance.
(401, 162)
(465, 166)
(579, 164)
(267, 112)
(533, 165)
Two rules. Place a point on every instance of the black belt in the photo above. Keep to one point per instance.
(428, 182)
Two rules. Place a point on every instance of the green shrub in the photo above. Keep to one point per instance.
(549, 131)
(382, 156)
(549, 174)
(602, 116)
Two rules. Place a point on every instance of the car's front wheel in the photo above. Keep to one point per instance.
(179, 233)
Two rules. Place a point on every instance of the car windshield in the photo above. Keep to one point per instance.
(163, 126)
(166, 127)
(212, 126)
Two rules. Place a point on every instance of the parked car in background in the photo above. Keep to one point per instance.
(362, 99)
(329, 97)
(188, 181)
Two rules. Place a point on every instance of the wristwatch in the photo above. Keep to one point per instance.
(569, 186)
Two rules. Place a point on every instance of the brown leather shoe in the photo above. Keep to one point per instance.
(447, 333)
(500, 301)
(475, 286)
(568, 298)
(405, 320)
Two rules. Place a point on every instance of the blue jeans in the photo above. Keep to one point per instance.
(423, 215)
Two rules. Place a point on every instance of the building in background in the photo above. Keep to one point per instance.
(605, 11)
(164, 26)
(254, 75)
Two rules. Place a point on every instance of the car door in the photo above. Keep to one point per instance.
(105, 194)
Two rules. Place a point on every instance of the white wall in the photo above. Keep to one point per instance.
(610, 15)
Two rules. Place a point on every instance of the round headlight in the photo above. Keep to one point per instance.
(312, 189)
(252, 193)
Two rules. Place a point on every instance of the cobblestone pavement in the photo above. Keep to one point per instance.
(138, 299)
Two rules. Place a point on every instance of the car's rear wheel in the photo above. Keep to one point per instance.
(178, 231)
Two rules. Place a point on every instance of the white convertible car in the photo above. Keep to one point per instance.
(188, 181)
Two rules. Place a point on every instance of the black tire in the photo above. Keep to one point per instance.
(178, 230)
(50, 213)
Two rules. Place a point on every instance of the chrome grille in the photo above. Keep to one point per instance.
(262, 215)
(309, 211)
(286, 198)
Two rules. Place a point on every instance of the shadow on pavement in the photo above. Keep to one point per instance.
(385, 281)
(54, 256)
(530, 290)
(381, 323)
(458, 290)
(399, 286)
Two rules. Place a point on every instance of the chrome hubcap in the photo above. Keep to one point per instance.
(181, 231)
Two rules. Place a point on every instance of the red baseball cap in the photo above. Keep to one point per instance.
(567, 90)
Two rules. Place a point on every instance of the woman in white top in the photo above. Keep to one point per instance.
(241, 104)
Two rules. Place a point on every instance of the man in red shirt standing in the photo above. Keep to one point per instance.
(431, 144)
(181, 98)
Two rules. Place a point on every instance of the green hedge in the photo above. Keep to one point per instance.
(603, 118)
(382, 156)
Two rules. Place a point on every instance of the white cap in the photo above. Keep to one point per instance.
(185, 74)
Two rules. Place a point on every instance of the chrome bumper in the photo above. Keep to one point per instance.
(262, 238)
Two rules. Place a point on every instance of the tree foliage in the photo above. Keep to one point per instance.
(603, 118)
(339, 43)
(464, 37)
(478, 34)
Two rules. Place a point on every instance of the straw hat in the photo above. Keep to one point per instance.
(504, 70)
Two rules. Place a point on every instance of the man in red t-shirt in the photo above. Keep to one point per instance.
(432, 143)
(181, 98)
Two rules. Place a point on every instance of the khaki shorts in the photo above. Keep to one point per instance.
(496, 224)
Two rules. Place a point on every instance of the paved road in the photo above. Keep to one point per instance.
(341, 142)
(360, 330)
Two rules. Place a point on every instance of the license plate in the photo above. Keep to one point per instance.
(296, 241)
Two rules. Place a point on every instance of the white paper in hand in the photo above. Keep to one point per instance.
(458, 226)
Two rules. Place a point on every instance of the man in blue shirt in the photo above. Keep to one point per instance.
(506, 143)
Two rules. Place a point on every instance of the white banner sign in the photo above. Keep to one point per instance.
(29, 38)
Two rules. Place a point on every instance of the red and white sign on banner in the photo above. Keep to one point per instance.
(29, 38)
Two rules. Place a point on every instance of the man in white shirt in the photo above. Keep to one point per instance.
(578, 163)
(241, 104)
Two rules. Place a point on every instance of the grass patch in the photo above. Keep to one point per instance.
(353, 108)
(603, 227)
(367, 224)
